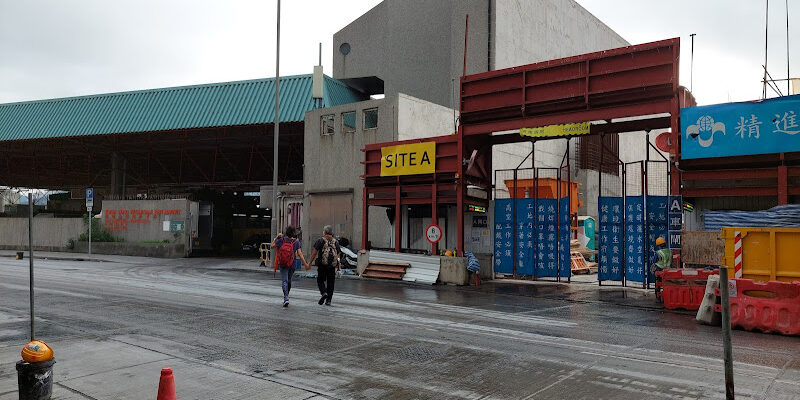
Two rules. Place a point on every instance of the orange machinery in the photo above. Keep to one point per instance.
(546, 188)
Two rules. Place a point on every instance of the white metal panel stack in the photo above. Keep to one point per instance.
(422, 269)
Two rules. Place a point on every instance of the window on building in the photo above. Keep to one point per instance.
(326, 123)
(349, 122)
(371, 119)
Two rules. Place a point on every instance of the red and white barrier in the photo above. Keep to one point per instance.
(737, 252)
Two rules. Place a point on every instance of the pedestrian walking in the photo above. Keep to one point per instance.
(289, 251)
(326, 254)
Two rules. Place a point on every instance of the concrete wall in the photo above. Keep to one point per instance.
(50, 234)
(529, 31)
(418, 118)
(171, 250)
(137, 221)
(415, 46)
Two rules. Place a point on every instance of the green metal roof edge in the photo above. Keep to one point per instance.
(233, 103)
(161, 89)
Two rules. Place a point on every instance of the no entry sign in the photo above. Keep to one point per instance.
(433, 233)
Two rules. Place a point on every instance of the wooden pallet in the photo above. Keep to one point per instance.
(578, 263)
(385, 270)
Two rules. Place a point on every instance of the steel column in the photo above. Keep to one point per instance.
(398, 218)
(365, 219)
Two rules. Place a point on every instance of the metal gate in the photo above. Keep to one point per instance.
(632, 214)
(533, 222)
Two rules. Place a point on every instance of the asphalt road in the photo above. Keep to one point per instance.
(220, 325)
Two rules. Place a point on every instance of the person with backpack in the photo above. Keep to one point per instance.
(289, 249)
(328, 250)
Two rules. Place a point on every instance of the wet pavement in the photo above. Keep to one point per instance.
(219, 324)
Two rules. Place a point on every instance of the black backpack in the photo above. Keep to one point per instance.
(330, 255)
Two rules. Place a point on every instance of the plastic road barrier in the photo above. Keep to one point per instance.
(768, 307)
(683, 288)
(764, 254)
(706, 313)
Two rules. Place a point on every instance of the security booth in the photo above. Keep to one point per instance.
(556, 109)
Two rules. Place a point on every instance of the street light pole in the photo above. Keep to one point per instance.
(30, 253)
(276, 124)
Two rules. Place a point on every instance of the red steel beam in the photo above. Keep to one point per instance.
(723, 174)
(730, 191)
(783, 186)
(568, 117)
(624, 82)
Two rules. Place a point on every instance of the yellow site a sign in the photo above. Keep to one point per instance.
(581, 128)
(408, 159)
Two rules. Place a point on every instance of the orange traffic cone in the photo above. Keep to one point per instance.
(166, 385)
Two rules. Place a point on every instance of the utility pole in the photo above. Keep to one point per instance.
(691, 67)
(30, 254)
(766, 49)
(276, 124)
(788, 73)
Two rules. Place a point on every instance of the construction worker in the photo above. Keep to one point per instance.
(662, 259)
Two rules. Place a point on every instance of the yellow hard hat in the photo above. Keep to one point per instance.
(660, 241)
(37, 351)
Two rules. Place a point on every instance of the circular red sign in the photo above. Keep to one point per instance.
(433, 233)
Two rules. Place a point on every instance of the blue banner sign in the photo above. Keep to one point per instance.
(547, 243)
(525, 240)
(566, 262)
(657, 226)
(504, 236)
(539, 249)
(634, 239)
(612, 242)
(737, 129)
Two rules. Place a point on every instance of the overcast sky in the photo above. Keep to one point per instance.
(56, 48)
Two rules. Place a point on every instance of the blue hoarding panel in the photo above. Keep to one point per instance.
(546, 241)
(611, 238)
(504, 236)
(525, 240)
(736, 129)
(564, 251)
(634, 239)
(657, 226)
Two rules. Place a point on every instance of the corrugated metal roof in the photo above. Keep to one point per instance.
(185, 107)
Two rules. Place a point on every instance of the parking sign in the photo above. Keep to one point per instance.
(89, 197)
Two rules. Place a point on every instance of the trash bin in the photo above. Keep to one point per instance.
(20, 255)
(35, 379)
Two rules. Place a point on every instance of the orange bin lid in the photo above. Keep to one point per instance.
(37, 351)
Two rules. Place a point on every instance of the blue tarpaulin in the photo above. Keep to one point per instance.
(787, 216)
